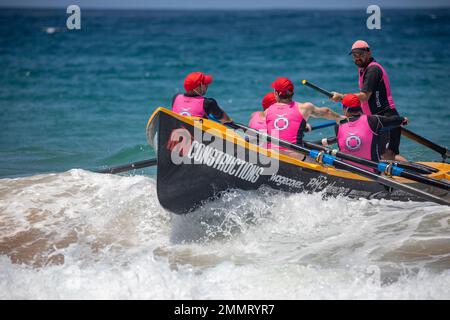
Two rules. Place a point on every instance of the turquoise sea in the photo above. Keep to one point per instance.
(82, 98)
(74, 101)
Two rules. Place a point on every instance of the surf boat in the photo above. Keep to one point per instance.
(200, 159)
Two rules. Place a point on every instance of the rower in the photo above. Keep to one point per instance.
(258, 118)
(360, 134)
(286, 119)
(375, 96)
(193, 103)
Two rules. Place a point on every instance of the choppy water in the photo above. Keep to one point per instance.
(82, 99)
(85, 235)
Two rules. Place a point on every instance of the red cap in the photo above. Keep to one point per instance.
(268, 100)
(282, 85)
(351, 101)
(195, 79)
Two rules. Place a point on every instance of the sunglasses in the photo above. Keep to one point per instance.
(359, 52)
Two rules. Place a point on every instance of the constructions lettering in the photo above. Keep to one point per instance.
(203, 154)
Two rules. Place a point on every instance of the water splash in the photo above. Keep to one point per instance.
(80, 235)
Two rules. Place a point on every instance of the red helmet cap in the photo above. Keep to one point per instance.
(351, 101)
(268, 100)
(195, 79)
(283, 85)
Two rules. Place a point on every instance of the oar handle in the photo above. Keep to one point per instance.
(317, 88)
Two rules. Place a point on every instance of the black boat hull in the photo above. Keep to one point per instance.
(199, 159)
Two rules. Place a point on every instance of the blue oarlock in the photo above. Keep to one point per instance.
(395, 171)
(326, 158)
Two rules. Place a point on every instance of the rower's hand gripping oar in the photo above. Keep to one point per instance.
(410, 166)
(322, 157)
(443, 151)
(131, 166)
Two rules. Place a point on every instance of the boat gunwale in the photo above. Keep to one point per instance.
(227, 134)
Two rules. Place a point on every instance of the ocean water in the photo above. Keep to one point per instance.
(75, 101)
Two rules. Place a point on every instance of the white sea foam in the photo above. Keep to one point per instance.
(51, 30)
(82, 235)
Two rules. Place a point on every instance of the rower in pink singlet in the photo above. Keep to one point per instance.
(287, 119)
(193, 103)
(359, 136)
(258, 118)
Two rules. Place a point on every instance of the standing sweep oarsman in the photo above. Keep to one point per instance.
(375, 96)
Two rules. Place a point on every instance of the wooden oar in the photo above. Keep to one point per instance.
(333, 161)
(443, 151)
(317, 88)
(131, 166)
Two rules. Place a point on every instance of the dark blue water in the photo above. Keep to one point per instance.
(81, 99)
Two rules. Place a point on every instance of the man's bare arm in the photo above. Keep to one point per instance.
(362, 96)
(309, 110)
(326, 113)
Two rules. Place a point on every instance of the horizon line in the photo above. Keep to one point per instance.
(222, 9)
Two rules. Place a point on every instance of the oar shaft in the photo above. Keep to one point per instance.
(412, 167)
(324, 125)
(425, 180)
(330, 160)
(445, 153)
(424, 141)
(131, 166)
(414, 136)
(317, 88)
(382, 167)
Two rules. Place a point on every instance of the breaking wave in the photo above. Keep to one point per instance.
(84, 235)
